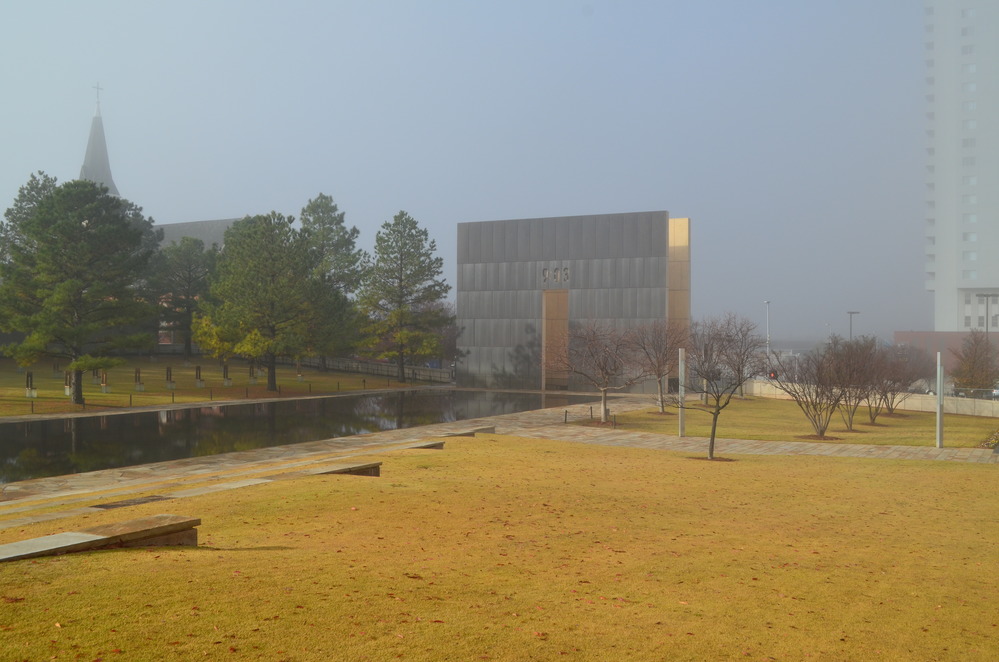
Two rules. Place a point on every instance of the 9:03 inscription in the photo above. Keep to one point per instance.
(556, 274)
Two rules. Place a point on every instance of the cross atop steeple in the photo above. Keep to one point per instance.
(98, 88)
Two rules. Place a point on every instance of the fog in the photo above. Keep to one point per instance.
(790, 132)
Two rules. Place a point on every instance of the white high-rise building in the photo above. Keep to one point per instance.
(962, 144)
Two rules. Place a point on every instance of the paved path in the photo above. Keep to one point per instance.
(27, 501)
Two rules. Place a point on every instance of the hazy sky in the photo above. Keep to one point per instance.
(789, 131)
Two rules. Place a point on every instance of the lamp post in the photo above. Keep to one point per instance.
(767, 302)
(851, 313)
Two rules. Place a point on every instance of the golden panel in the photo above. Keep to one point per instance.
(554, 339)
(679, 239)
(678, 305)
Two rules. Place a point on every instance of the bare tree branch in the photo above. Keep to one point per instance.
(898, 369)
(976, 363)
(811, 381)
(602, 356)
(657, 346)
(855, 361)
(724, 354)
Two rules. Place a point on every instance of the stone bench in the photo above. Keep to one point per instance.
(434, 445)
(355, 469)
(491, 429)
(156, 530)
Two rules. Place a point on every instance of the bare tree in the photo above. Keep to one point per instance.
(881, 376)
(896, 369)
(855, 362)
(909, 365)
(657, 345)
(810, 380)
(724, 353)
(602, 356)
(976, 363)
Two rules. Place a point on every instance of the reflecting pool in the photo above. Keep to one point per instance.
(59, 446)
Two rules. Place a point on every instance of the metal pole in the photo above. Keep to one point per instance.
(768, 332)
(939, 402)
(682, 391)
(851, 313)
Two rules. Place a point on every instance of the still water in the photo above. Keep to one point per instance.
(55, 447)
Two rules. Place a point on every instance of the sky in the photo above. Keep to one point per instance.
(789, 132)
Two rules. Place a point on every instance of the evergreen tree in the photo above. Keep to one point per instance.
(332, 246)
(398, 291)
(38, 187)
(72, 275)
(336, 266)
(259, 306)
(182, 277)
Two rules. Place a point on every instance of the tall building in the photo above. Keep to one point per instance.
(523, 283)
(962, 220)
(96, 166)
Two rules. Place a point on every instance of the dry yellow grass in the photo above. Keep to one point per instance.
(769, 419)
(500, 548)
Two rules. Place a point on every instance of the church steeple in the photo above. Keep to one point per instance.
(96, 166)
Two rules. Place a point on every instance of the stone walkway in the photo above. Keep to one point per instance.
(30, 501)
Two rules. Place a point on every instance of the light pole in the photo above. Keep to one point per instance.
(851, 313)
(767, 302)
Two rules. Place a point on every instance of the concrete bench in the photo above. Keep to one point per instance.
(156, 530)
(491, 429)
(356, 469)
(434, 445)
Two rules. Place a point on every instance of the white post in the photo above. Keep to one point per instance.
(681, 392)
(940, 388)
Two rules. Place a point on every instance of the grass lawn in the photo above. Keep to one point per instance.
(499, 548)
(121, 381)
(768, 419)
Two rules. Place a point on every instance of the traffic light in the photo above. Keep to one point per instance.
(772, 374)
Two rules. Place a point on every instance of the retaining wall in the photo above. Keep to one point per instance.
(913, 402)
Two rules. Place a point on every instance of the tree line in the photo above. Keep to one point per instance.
(723, 353)
(84, 278)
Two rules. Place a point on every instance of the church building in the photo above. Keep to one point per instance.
(97, 168)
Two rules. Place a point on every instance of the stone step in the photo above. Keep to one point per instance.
(155, 530)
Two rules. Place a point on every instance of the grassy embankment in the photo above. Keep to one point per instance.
(768, 419)
(121, 380)
(499, 548)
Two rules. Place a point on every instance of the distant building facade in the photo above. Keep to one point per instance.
(962, 219)
(522, 283)
(211, 233)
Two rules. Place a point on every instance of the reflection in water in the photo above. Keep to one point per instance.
(54, 447)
